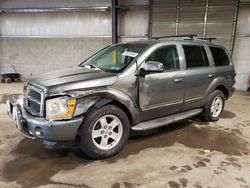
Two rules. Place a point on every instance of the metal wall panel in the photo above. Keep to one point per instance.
(133, 2)
(242, 48)
(133, 23)
(220, 21)
(56, 24)
(243, 28)
(52, 3)
(37, 19)
(206, 18)
(130, 39)
(191, 16)
(34, 56)
(164, 17)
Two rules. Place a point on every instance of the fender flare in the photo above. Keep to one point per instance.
(219, 81)
(101, 97)
(102, 102)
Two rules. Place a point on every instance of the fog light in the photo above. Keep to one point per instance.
(39, 132)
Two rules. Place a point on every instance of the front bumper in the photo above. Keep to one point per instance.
(37, 127)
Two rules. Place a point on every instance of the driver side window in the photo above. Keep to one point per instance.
(168, 56)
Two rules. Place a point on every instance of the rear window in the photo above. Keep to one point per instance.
(220, 56)
(196, 56)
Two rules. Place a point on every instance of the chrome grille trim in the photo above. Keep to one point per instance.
(35, 96)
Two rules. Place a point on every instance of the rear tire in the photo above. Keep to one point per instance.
(2, 80)
(17, 80)
(104, 132)
(8, 80)
(214, 106)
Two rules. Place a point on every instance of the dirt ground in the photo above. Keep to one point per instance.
(190, 153)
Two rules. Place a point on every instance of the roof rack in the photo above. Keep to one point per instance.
(210, 39)
(191, 36)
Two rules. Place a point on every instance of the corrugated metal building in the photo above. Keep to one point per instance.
(43, 35)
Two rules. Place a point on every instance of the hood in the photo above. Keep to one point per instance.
(76, 78)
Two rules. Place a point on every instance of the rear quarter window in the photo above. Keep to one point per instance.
(196, 56)
(220, 56)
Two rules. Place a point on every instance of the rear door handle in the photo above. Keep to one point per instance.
(210, 75)
(177, 80)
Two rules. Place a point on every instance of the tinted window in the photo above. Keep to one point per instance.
(196, 56)
(168, 56)
(220, 56)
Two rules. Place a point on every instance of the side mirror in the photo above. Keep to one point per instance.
(153, 66)
(150, 67)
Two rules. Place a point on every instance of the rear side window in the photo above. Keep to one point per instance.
(196, 56)
(220, 56)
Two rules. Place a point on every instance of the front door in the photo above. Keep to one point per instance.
(162, 93)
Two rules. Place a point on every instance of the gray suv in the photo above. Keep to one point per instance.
(129, 86)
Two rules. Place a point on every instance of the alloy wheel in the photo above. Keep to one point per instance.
(107, 132)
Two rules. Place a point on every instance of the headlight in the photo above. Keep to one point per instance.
(60, 108)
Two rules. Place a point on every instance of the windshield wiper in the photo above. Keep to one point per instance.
(90, 66)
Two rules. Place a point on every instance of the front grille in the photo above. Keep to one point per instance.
(36, 95)
(34, 100)
(34, 106)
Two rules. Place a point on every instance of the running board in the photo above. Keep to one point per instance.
(159, 122)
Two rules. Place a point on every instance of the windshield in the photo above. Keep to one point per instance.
(115, 58)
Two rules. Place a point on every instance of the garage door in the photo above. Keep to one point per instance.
(206, 18)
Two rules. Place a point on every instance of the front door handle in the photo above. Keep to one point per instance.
(210, 75)
(177, 80)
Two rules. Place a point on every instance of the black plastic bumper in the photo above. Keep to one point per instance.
(231, 92)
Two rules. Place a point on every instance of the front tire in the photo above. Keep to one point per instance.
(214, 106)
(104, 132)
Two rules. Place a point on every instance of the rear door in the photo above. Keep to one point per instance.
(199, 73)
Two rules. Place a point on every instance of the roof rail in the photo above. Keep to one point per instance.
(191, 36)
(210, 39)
